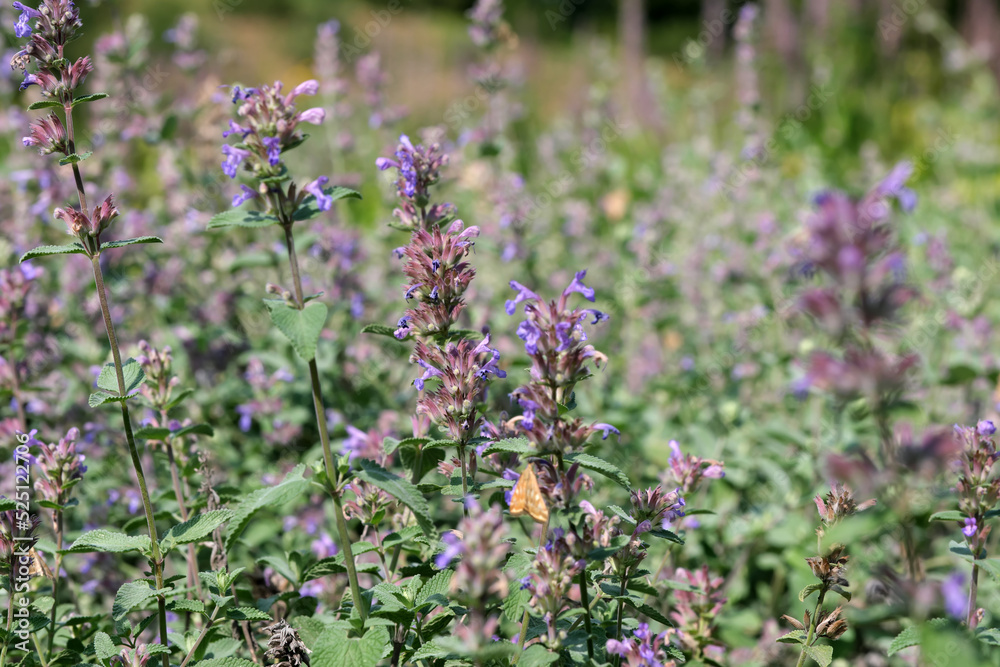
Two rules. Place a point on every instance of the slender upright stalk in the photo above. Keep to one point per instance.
(192, 562)
(973, 590)
(621, 611)
(55, 577)
(813, 622)
(586, 612)
(527, 617)
(324, 436)
(157, 557)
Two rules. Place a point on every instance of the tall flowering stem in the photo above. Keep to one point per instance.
(438, 276)
(49, 29)
(268, 124)
(978, 492)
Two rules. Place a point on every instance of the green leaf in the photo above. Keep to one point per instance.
(152, 433)
(7, 504)
(99, 398)
(93, 97)
(651, 612)
(809, 590)
(241, 218)
(273, 496)
(510, 445)
(176, 400)
(124, 242)
(130, 596)
(400, 489)
(949, 515)
(380, 329)
(46, 250)
(44, 104)
(793, 637)
(439, 584)
(109, 542)
(600, 465)
(821, 653)
(908, 637)
(104, 648)
(513, 604)
(228, 661)
(309, 208)
(131, 372)
(73, 158)
(601, 553)
(195, 529)
(183, 604)
(247, 614)
(537, 655)
(301, 327)
(334, 649)
(194, 429)
(990, 636)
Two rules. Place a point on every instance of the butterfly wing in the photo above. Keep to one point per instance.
(519, 496)
(526, 498)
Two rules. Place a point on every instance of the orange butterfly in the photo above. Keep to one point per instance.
(527, 497)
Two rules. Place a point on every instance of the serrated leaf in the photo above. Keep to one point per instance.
(430, 651)
(93, 97)
(309, 208)
(949, 515)
(99, 398)
(513, 604)
(509, 445)
(601, 466)
(274, 496)
(124, 242)
(46, 250)
(131, 372)
(7, 504)
(400, 489)
(247, 614)
(601, 553)
(73, 158)
(808, 590)
(335, 649)
(821, 653)
(301, 327)
(184, 393)
(229, 661)
(104, 648)
(989, 636)
(908, 637)
(195, 529)
(241, 218)
(129, 596)
(439, 584)
(109, 542)
(380, 329)
(183, 604)
(651, 612)
(44, 104)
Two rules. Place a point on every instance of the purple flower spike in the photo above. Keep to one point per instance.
(529, 332)
(452, 550)
(245, 196)
(384, 163)
(324, 201)
(29, 80)
(970, 527)
(985, 428)
(578, 286)
(429, 372)
(523, 294)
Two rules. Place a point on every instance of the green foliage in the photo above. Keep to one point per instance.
(47, 250)
(401, 490)
(293, 486)
(301, 327)
(239, 217)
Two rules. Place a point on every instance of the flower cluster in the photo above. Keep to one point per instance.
(268, 126)
(696, 611)
(156, 364)
(50, 28)
(654, 505)
(61, 466)
(687, 471)
(839, 505)
(643, 648)
(852, 242)
(978, 488)
(555, 340)
(555, 570)
(417, 168)
(284, 647)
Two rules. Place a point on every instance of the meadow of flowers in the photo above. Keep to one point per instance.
(706, 380)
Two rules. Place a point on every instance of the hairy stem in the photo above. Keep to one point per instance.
(201, 636)
(157, 558)
(352, 573)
